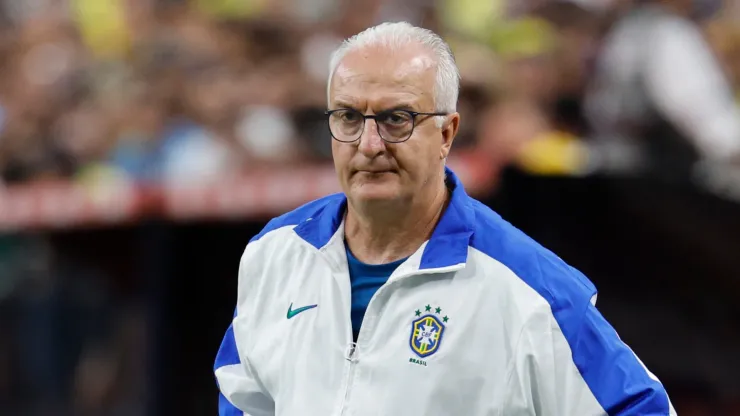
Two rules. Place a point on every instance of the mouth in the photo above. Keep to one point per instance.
(374, 171)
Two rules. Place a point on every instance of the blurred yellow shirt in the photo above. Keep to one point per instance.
(231, 8)
(523, 38)
(552, 154)
(471, 18)
(103, 26)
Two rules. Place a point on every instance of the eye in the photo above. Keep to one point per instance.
(395, 118)
(349, 116)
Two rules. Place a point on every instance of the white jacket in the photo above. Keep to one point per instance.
(481, 320)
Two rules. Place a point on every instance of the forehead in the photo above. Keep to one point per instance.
(381, 77)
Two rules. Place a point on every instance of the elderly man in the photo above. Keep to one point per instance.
(404, 296)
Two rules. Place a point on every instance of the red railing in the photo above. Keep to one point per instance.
(63, 204)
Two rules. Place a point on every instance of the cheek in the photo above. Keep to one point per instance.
(342, 154)
(415, 156)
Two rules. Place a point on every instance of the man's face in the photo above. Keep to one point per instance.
(372, 80)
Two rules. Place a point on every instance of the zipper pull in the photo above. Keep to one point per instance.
(350, 354)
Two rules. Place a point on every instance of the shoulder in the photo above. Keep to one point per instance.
(655, 28)
(567, 291)
(270, 254)
(299, 215)
(659, 29)
(677, 33)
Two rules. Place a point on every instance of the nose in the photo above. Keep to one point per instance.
(370, 143)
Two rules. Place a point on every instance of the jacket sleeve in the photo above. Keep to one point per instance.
(240, 391)
(578, 365)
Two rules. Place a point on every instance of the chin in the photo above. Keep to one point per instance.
(367, 195)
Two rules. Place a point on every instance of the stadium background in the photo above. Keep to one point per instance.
(143, 142)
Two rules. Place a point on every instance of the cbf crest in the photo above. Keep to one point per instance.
(427, 331)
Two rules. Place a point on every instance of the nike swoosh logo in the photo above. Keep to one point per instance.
(293, 312)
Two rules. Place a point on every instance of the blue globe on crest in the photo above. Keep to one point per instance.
(426, 335)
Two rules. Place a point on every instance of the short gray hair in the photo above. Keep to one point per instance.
(396, 35)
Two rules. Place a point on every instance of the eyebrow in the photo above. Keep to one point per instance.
(344, 104)
(400, 106)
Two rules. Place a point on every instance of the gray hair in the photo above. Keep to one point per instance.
(396, 35)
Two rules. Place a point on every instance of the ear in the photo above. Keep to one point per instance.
(449, 132)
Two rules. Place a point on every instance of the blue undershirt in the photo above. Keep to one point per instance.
(365, 280)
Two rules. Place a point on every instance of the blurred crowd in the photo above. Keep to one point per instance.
(182, 92)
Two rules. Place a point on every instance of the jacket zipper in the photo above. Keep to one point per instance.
(350, 356)
(353, 350)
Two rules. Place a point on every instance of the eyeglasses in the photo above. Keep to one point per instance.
(394, 126)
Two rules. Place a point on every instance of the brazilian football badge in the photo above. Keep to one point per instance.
(426, 332)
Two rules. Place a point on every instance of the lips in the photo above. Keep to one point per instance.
(374, 171)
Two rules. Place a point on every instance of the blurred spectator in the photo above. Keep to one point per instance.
(535, 121)
(660, 90)
(577, 28)
(142, 122)
(186, 92)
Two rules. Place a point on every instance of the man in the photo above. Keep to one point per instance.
(404, 296)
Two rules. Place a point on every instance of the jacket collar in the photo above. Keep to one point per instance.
(448, 245)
